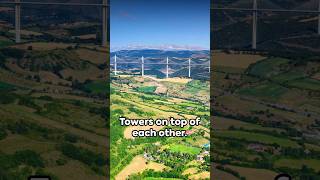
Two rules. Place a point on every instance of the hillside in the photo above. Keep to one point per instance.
(266, 115)
(149, 97)
(266, 101)
(54, 120)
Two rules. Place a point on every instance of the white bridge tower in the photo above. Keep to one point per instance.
(115, 64)
(167, 74)
(189, 68)
(142, 66)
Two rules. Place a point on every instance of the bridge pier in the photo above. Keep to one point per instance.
(142, 66)
(104, 23)
(115, 64)
(189, 75)
(254, 24)
(18, 21)
(318, 17)
(167, 74)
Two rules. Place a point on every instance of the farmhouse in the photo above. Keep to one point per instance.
(148, 156)
(200, 157)
(206, 153)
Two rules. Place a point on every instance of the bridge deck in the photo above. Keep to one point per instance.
(54, 3)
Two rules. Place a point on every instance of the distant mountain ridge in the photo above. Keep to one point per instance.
(178, 60)
(155, 53)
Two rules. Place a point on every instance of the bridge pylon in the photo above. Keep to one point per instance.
(104, 23)
(18, 21)
(189, 68)
(254, 24)
(115, 64)
(167, 74)
(142, 66)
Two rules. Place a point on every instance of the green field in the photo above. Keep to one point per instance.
(6, 86)
(256, 137)
(184, 149)
(308, 83)
(97, 87)
(268, 67)
(298, 163)
(288, 76)
(5, 43)
(147, 89)
(195, 86)
(266, 90)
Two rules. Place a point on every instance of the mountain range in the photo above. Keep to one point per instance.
(156, 53)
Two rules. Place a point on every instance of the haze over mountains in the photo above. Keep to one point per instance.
(164, 47)
(158, 53)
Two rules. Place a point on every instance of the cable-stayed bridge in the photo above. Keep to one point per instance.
(18, 3)
(255, 10)
(167, 63)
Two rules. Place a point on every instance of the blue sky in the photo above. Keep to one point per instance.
(160, 24)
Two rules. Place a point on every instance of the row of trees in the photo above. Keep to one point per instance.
(83, 155)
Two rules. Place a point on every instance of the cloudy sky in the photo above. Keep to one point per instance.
(160, 24)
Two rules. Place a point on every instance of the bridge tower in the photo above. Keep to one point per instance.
(254, 24)
(142, 66)
(115, 64)
(318, 17)
(189, 68)
(167, 74)
(18, 21)
(104, 23)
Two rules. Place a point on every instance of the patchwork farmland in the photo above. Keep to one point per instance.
(137, 97)
(266, 117)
